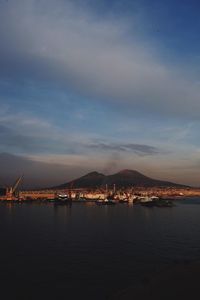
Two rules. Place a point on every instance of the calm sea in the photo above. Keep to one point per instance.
(85, 251)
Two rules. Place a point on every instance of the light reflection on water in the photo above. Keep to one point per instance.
(91, 250)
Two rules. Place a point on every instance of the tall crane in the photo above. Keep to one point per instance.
(10, 193)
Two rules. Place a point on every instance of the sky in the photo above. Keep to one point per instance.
(99, 85)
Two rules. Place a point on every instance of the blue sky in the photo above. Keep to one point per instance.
(101, 85)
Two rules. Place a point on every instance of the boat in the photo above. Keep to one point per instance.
(164, 203)
(105, 202)
(109, 201)
(155, 201)
(124, 200)
(62, 199)
(81, 199)
(147, 201)
(100, 201)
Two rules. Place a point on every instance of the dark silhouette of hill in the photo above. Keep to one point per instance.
(90, 180)
(124, 178)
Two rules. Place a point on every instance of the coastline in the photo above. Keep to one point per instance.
(94, 194)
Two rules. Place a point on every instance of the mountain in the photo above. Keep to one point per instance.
(90, 180)
(124, 178)
(134, 178)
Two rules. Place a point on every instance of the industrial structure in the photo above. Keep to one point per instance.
(11, 193)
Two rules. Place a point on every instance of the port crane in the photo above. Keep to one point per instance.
(10, 192)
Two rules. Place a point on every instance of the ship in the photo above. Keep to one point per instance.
(63, 199)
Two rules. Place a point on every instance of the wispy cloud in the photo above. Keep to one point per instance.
(138, 149)
(31, 135)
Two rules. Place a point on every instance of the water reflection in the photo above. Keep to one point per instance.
(62, 216)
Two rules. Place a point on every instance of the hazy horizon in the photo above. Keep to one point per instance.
(99, 86)
(38, 174)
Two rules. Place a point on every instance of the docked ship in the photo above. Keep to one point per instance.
(147, 201)
(109, 200)
(62, 199)
(155, 201)
(105, 202)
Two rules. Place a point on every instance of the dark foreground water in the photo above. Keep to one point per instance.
(91, 252)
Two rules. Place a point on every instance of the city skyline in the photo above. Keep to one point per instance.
(99, 86)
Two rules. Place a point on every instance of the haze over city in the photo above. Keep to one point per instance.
(99, 85)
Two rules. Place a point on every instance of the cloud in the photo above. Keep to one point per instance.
(11, 138)
(59, 42)
(28, 134)
(33, 135)
(24, 134)
(138, 149)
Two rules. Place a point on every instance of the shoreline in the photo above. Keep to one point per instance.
(48, 199)
(94, 194)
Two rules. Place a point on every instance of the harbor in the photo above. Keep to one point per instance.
(108, 194)
(125, 186)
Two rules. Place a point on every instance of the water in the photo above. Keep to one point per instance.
(88, 251)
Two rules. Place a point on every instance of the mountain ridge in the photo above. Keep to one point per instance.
(123, 178)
